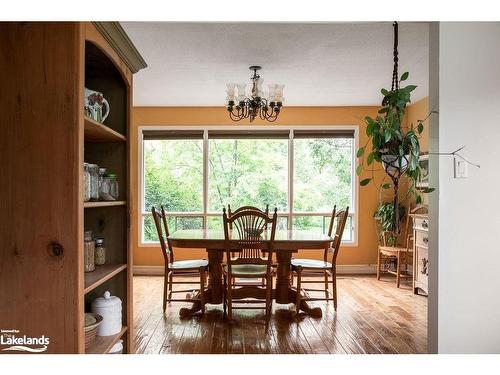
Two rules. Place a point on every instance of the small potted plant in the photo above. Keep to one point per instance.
(384, 214)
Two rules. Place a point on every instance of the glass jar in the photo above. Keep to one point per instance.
(113, 186)
(88, 252)
(105, 192)
(86, 182)
(94, 182)
(100, 252)
(102, 172)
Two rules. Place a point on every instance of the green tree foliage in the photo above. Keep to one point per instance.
(246, 172)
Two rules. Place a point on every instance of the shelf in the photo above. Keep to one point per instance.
(104, 204)
(96, 132)
(100, 275)
(103, 344)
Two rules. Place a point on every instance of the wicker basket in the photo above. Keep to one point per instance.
(92, 321)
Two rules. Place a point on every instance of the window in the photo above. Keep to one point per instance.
(195, 173)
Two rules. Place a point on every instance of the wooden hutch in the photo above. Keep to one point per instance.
(45, 140)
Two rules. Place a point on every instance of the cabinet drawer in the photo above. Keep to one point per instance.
(421, 224)
(421, 264)
(421, 239)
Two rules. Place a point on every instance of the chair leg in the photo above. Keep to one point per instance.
(230, 301)
(297, 302)
(334, 288)
(170, 279)
(398, 269)
(269, 301)
(326, 284)
(379, 261)
(224, 295)
(165, 290)
(202, 290)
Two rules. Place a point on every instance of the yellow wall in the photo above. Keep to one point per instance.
(365, 251)
(419, 111)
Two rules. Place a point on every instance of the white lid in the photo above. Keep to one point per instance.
(117, 347)
(107, 301)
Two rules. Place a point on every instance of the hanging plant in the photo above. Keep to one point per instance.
(395, 147)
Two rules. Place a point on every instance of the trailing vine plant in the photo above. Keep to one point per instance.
(396, 147)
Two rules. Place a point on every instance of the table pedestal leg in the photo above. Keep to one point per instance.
(213, 294)
(284, 292)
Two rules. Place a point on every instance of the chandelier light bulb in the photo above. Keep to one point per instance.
(230, 91)
(256, 104)
(241, 91)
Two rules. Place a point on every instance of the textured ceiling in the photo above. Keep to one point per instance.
(321, 64)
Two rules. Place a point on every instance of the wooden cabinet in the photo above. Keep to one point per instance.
(420, 252)
(45, 140)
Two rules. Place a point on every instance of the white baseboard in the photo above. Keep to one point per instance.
(342, 269)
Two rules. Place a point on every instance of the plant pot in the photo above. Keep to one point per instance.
(395, 165)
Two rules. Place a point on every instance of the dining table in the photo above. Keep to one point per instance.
(286, 243)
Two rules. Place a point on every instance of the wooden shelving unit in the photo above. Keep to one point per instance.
(100, 275)
(103, 344)
(104, 204)
(97, 132)
(77, 55)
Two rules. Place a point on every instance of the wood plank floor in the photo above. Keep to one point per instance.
(372, 317)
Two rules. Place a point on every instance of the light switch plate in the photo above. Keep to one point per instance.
(460, 168)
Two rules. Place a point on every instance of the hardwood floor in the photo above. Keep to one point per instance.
(372, 317)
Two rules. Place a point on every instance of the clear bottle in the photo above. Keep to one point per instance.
(113, 186)
(88, 252)
(86, 182)
(100, 252)
(94, 182)
(102, 173)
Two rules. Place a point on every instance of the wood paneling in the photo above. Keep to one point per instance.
(372, 317)
(41, 203)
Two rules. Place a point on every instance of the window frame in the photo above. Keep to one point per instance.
(205, 214)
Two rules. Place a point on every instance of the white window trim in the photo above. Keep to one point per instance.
(206, 128)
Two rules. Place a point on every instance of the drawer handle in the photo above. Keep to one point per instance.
(425, 225)
(425, 240)
(424, 266)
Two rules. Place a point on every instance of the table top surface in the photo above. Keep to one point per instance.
(280, 235)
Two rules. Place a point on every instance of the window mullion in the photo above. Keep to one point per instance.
(290, 179)
(205, 178)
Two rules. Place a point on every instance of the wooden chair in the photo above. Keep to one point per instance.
(241, 209)
(184, 268)
(246, 240)
(401, 251)
(321, 268)
(245, 208)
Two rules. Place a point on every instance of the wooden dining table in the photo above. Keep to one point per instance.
(286, 243)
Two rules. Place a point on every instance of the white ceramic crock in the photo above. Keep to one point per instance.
(110, 308)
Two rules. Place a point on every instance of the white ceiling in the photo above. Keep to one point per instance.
(321, 64)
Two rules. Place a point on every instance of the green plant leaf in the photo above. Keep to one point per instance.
(359, 169)
(428, 190)
(404, 76)
(387, 135)
(383, 110)
(420, 128)
(365, 182)
(410, 88)
(360, 152)
(386, 186)
(370, 158)
(384, 92)
(418, 199)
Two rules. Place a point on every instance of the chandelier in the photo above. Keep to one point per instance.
(241, 106)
